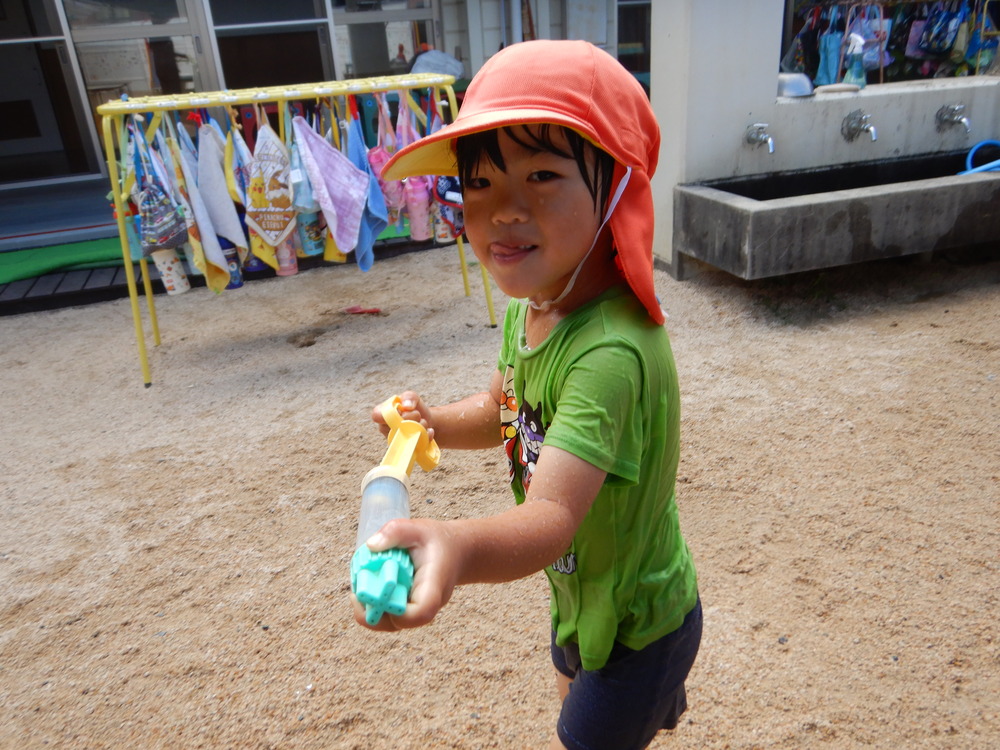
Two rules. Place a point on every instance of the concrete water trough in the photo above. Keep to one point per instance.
(774, 224)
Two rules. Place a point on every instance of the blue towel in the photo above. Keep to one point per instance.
(376, 216)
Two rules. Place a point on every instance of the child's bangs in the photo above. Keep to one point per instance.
(472, 150)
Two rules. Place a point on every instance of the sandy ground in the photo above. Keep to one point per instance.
(174, 560)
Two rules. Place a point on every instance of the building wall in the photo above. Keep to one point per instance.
(715, 72)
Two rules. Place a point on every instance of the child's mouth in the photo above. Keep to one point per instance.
(504, 252)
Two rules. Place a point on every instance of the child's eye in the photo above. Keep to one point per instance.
(476, 183)
(543, 175)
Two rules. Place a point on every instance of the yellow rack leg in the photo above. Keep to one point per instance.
(489, 296)
(147, 286)
(133, 293)
(487, 289)
(465, 269)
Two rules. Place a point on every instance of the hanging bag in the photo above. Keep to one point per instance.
(941, 28)
(875, 28)
(161, 225)
(982, 48)
(392, 190)
(961, 45)
(802, 55)
(417, 188)
(830, 42)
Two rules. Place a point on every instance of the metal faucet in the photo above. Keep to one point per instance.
(951, 114)
(757, 135)
(855, 124)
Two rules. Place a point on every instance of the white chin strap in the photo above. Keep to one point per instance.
(572, 279)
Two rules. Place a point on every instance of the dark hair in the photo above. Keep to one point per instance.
(470, 150)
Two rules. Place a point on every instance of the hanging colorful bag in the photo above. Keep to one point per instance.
(163, 228)
(982, 51)
(161, 224)
(802, 55)
(416, 189)
(913, 50)
(448, 196)
(941, 28)
(874, 28)
(392, 190)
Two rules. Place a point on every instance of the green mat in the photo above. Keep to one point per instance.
(27, 264)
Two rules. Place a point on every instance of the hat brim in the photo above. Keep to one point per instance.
(435, 154)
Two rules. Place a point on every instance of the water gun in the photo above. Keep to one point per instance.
(382, 580)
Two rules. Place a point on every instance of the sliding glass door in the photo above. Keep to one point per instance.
(44, 129)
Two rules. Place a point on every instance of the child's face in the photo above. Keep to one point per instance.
(533, 223)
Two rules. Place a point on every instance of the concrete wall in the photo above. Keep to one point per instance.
(715, 72)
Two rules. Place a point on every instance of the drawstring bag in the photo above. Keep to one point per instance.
(161, 225)
(392, 190)
(417, 188)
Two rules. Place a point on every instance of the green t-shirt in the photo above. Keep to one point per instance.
(603, 387)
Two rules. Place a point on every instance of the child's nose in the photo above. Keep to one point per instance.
(508, 208)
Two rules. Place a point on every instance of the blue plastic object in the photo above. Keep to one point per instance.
(381, 581)
(992, 166)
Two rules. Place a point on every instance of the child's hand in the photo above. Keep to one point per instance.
(411, 407)
(436, 556)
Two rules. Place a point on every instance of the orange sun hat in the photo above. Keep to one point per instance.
(582, 87)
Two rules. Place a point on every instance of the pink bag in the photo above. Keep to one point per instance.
(418, 207)
(392, 190)
(416, 189)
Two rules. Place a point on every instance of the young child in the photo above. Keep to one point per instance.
(555, 144)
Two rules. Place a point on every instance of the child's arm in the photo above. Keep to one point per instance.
(473, 422)
(503, 547)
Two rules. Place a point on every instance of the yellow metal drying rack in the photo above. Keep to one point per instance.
(113, 115)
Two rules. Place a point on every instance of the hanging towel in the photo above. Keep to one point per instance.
(339, 186)
(187, 147)
(237, 164)
(215, 191)
(195, 252)
(168, 146)
(375, 217)
(270, 212)
(211, 261)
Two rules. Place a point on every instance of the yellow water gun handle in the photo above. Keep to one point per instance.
(408, 441)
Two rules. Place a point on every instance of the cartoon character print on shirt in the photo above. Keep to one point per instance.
(520, 425)
(508, 418)
(524, 427)
(531, 435)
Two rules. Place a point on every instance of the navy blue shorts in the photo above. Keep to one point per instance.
(632, 697)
